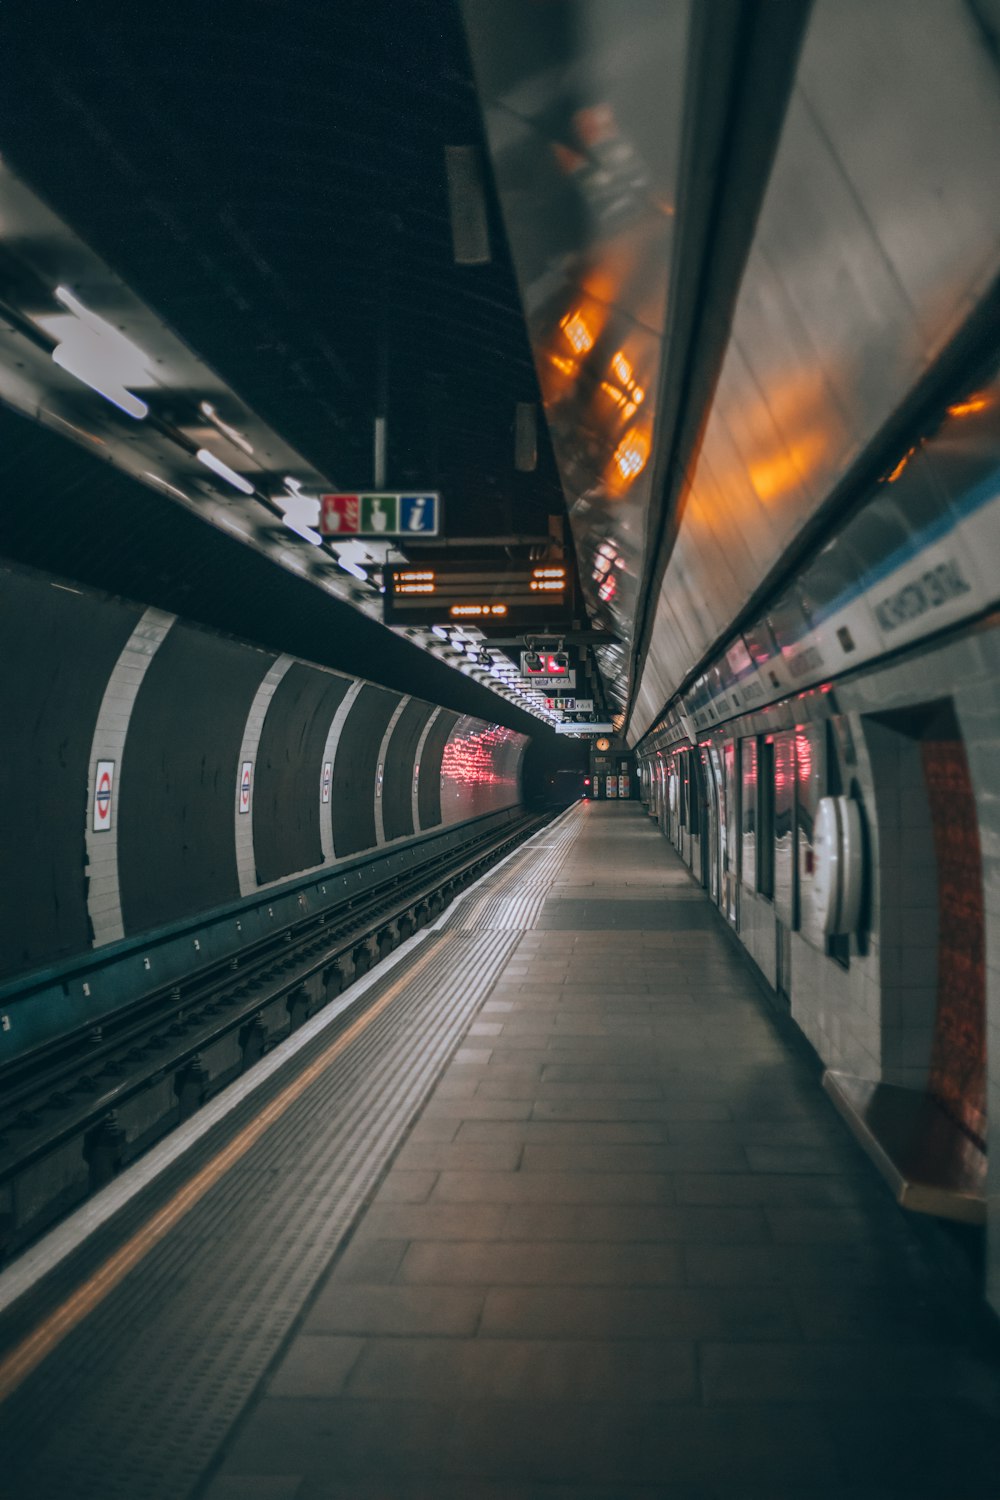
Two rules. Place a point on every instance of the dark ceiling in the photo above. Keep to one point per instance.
(269, 176)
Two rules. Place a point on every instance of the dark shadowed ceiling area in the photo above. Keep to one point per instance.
(270, 177)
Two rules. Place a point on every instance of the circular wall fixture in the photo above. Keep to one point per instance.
(835, 890)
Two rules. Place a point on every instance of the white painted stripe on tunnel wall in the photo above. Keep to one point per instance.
(246, 863)
(382, 755)
(327, 815)
(418, 757)
(108, 745)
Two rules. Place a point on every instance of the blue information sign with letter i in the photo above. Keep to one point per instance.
(418, 513)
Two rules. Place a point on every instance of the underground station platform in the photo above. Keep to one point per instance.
(550, 1203)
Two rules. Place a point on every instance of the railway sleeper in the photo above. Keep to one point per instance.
(388, 939)
(365, 954)
(191, 1087)
(104, 1150)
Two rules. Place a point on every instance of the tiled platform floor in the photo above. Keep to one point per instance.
(628, 1250)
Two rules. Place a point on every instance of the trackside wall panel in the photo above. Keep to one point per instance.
(429, 789)
(59, 649)
(397, 810)
(355, 770)
(480, 770)
(286, 802)
(171, 708)
(176, 854)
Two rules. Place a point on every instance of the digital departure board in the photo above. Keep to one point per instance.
(456, 593)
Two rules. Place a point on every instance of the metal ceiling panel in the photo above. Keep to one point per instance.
(877, 238)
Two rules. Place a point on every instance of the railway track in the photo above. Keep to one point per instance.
(77, 1110)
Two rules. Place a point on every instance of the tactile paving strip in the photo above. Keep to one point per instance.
(516, 899)
(138, 1398)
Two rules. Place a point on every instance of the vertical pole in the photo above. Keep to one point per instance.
(379, 464)
(380, 445)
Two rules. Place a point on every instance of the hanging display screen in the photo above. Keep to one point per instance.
(453, 592)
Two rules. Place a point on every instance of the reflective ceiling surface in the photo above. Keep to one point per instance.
(583, 106)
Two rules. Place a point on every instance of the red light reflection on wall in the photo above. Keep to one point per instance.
(803, 752)
(469, 760)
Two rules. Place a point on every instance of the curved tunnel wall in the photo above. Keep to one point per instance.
(58, 655)
(286, 803)
(356, 770)
(158, 771)
(175, 850)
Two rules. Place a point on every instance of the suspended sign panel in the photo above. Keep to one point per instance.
(453, 593)
(380, 515)
(577, 726)
(547, 664)
(563, 679)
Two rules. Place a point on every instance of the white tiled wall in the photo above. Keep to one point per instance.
(978, 705)
(969, 672)
(906, 888)
(875, 1018)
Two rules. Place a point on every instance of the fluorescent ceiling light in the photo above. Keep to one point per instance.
(83, 367)
(97, 355)
(208, 410)
(301, 513)
(354, 569)
(224, 471)
(232, 525)
(305, 532)
(163, 484)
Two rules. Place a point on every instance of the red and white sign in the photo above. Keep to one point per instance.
(245, 776)
(327, 780)
(339, 515)
(103, 788)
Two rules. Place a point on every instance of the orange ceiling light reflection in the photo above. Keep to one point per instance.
(627, 396)
(622, 368)
(578, 332)
(894, 475)
(631, 455)
(967, 408)
(781, 472)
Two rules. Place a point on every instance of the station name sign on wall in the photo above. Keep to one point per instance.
(380, 515)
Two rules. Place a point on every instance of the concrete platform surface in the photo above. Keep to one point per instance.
(559, 1209)
(628, 1249)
